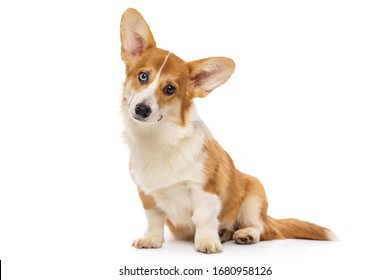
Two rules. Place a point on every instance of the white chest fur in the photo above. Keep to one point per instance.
(166, 156)
(177, 203)
(167, 162)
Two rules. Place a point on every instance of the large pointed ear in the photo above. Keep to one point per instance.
(208, 74)
(136, 36)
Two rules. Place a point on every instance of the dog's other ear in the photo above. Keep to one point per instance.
(136, 36)
(208, 74)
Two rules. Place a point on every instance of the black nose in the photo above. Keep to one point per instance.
(142, 110)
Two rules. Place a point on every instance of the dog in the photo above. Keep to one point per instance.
(184, 177)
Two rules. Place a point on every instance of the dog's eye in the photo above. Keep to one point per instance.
(143, 77)
(169, 90)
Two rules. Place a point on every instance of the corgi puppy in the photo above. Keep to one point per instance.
(184, 177)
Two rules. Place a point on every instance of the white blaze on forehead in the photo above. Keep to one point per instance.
(152, 86)
(162, 66)
(147, 96)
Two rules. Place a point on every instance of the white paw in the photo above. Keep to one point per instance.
(208, 245)
(148, 242)
(246, 236)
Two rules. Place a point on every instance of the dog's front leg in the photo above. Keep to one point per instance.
(154, 234)
(205, 218)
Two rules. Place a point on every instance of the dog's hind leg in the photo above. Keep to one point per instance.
(252, 216)
(249, 221)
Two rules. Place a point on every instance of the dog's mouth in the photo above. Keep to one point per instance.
(140, 119)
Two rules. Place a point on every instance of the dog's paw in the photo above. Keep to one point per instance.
(148, 242)
(246, 236)
(208, 245)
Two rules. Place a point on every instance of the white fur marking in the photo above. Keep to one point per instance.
(205, 219)
(156, 222)
(332, 236)
(249, 214)
(167, 155)
(176, 202)
(249, 221)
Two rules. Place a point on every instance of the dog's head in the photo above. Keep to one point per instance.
(159, 85)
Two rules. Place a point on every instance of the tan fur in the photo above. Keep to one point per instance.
(134, 21)
(182, 233)
(294, 228)
(148, 201)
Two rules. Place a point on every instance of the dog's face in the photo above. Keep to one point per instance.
(156, 87)
(159, 85)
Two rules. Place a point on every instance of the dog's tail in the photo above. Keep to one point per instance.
(293, 228)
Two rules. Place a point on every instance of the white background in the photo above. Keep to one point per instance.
(307, 111)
